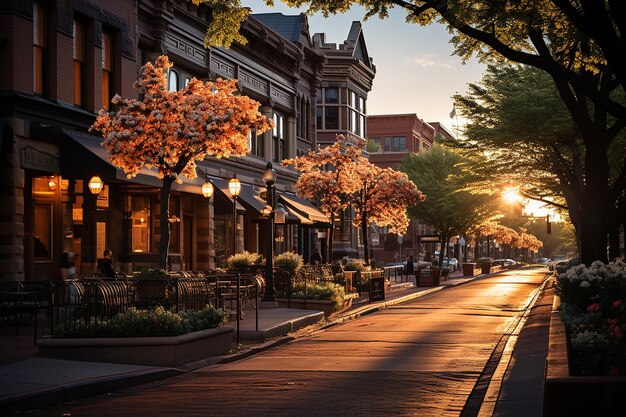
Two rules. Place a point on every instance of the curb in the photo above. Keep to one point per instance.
(76, 390)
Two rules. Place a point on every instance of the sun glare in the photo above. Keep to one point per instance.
(510, 195)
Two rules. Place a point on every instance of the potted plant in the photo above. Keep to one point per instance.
(485, 265)
(153, 287)
(243, 261)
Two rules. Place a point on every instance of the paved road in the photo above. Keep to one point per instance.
(422, 358)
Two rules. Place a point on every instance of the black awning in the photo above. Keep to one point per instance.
(303, 207)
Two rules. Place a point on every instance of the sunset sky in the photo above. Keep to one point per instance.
(416, 71)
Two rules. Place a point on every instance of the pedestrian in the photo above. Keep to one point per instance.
(106, 264)
(396, 257)
(67, 267)
(409, 265)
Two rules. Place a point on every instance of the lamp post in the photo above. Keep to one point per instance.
(277, 215)
(234, 187)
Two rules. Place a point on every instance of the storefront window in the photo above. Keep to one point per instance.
(140, 208)
(175, 217)
(42, 231)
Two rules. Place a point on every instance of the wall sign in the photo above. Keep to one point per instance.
(32, 158)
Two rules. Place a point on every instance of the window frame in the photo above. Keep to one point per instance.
(39, 48)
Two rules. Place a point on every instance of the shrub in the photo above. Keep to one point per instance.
(318, 291)
(484, 261)
(289, 262)
(150, 274)
(354, 265)
(243, 260)
(143, 323)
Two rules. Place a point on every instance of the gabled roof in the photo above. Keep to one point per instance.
(354, 45)
(290, 27)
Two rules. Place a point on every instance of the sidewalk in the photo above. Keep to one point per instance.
(28, 381)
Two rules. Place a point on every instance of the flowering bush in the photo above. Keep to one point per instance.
(243, 260)
(593, 309)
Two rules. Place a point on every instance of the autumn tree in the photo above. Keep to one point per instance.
(326, 175)
(448, 208)
(170, 130)
(382, 199)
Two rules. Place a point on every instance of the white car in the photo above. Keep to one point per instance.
(451, 263)
(504, 262)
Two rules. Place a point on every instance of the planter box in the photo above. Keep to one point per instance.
(156, 351)
(469, 269)
(428, 277)
(326, 306)
(566, 395)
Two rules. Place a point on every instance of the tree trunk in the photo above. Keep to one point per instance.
(331, 232)
(442, 248)
(164, 223)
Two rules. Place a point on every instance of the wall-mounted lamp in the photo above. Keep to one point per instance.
(52, 184)
(95, 185)
(207, 189)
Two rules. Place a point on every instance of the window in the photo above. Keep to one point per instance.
(187, 81)
(175, 225)
(318, 117)
(332, 95)
(39, 47)
(107, 69)
(387, 144)
(278, 135)
(172, 82)
(79, 61)
(399, 143)
(255, 143)
(140, 218)
(42, 231)
(332, 118)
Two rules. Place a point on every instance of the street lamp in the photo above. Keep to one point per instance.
(234, 187)
(207, 188)
(276, 215)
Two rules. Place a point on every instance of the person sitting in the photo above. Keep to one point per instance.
(106, 264)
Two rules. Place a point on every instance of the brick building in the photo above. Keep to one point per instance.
(64, 60)
(397, 135)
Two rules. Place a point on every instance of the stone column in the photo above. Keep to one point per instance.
(267, 136)
(292, 141)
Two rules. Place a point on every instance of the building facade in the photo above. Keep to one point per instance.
(65, 60)
(341, 109)
(397, 135)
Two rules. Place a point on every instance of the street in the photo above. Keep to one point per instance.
(422, 358)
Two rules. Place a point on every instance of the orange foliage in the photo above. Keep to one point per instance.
(170, 130)
(327, 174)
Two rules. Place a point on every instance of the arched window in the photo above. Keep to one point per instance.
(173, 81)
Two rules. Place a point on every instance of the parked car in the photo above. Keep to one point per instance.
(543, 261)
(504, 262)
(451, 263)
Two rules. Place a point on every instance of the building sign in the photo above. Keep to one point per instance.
(429, 238)
(102, 199)
(32, 158)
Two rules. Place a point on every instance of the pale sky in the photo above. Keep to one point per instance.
(415, 69)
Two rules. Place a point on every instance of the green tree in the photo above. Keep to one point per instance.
(371, 146)
(448, 208)
(517, 118)
(580, 44)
